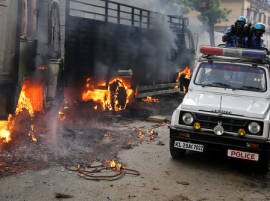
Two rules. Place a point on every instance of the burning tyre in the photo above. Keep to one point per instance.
(115, 97)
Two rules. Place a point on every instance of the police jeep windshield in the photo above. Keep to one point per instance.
(232, 76)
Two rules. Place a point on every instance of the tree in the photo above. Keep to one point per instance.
(210, 13)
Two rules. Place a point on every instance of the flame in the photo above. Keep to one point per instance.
(115, 97)
(152, 134)
(5, 129)
(32, 133)
(108, 134)
(42, 68)
(187, 73)
(140, 136)
(24, 103)
(31, 98)
(93, 94)
(62, 113)
(61, 116)
(150, 99)
(5, 134)
(34, 139)
(114, 165)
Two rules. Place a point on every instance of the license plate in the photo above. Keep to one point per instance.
(243, 155)
(188, 146)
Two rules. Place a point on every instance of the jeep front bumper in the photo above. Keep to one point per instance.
(218, 143)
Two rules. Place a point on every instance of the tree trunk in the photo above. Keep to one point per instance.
(212, 34)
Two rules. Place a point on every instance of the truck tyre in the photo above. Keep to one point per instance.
(175, 152)
(118, 95)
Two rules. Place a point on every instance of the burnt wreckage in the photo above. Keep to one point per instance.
(61, 44)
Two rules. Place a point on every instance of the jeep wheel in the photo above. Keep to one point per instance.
(175, 152)
(264, 162)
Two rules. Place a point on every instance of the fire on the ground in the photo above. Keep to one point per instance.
(150, 99)
(31, 99)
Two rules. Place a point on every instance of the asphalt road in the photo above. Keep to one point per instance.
(197, 177)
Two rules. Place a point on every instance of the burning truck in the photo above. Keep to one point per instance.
(122, 52)
(100, 51)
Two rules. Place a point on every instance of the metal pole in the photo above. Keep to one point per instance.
(141, 13)
(148, 19)
(106, 10)
(18, 32)
(118, 13)
(132, 16)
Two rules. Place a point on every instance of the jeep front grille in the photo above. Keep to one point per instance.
(230, 125)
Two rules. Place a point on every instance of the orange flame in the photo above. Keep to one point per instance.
(31, 98)
(150, 99)
(152, 134)
(5, 134)
(114, 165)
(5, 129)
(42, 68)
(115, 97)
(62, 113)
(61, 116)
(140, 136)
(187, 73)
(32, 133)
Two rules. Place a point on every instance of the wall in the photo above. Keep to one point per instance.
(236, 7)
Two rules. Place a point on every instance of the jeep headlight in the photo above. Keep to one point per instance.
(188, 118)
(254, 127)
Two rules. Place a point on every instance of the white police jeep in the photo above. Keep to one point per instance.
(227, 106)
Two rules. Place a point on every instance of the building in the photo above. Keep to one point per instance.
(253, 10)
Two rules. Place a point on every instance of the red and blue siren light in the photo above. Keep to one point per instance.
(233, 52)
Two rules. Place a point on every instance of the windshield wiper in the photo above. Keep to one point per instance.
(220, 84)
(250, 88)
(217, 84)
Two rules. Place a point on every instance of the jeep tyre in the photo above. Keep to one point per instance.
(264, 162)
